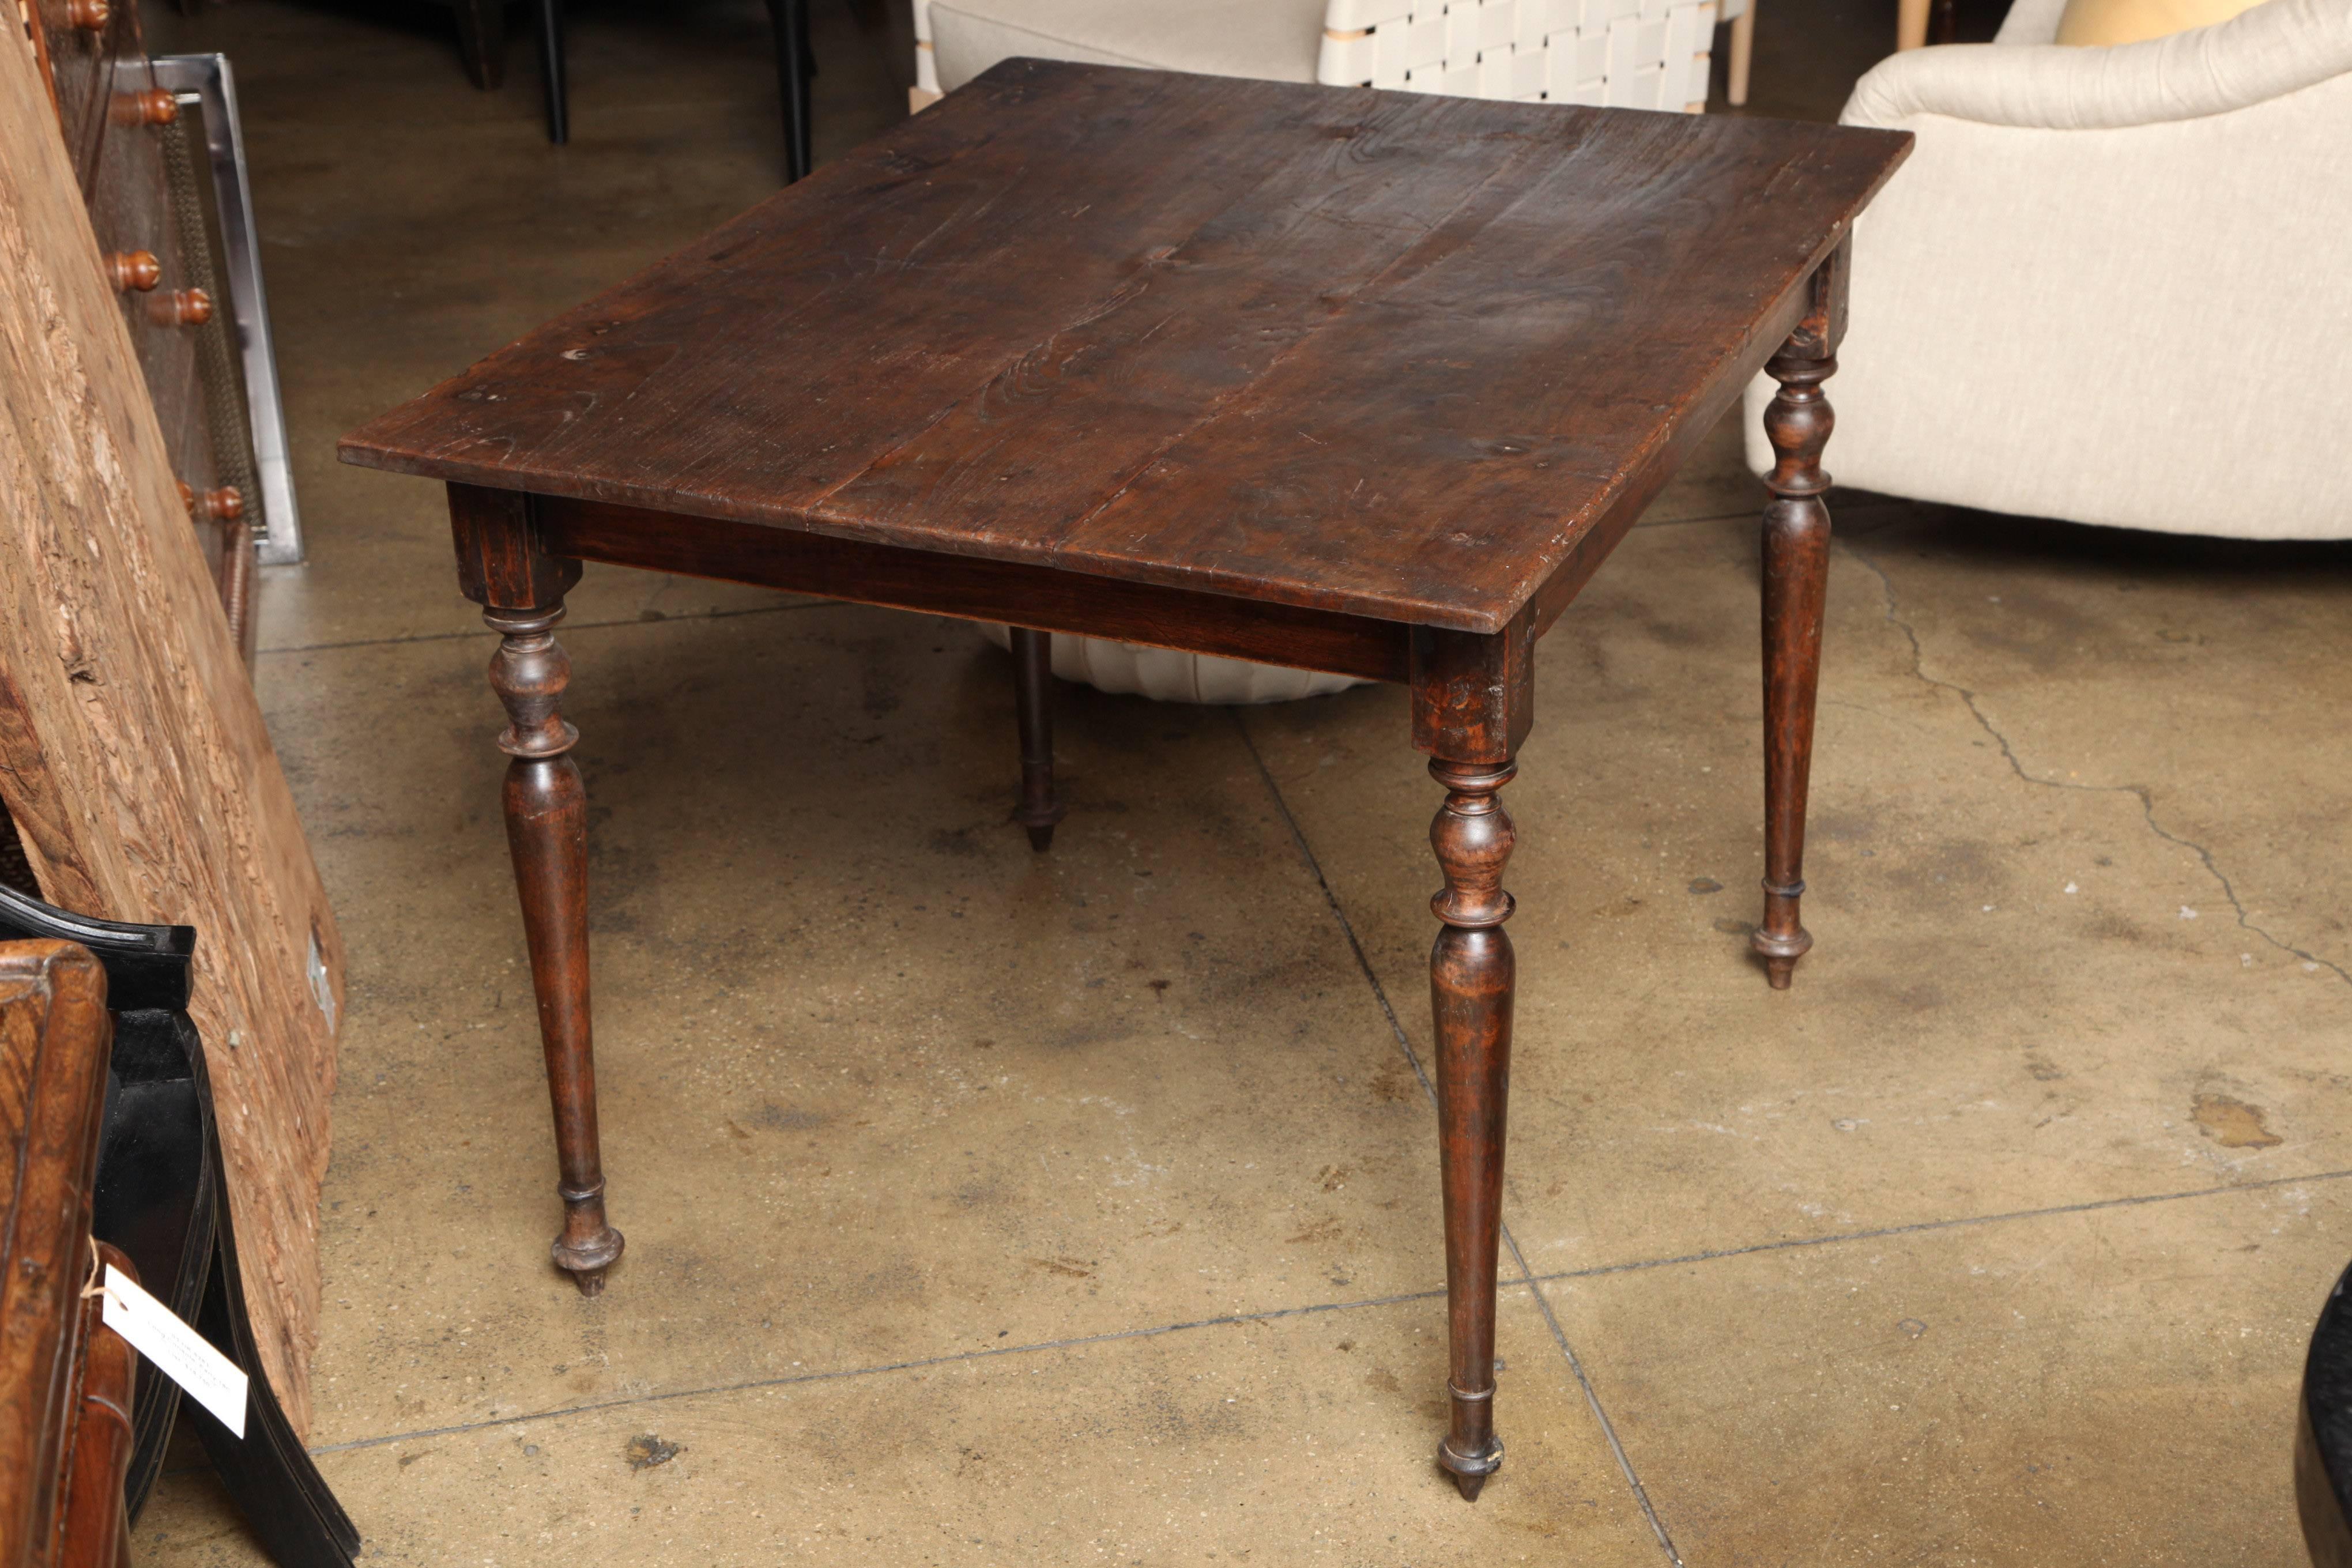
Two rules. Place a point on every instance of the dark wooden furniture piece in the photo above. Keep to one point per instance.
(161, 1197)
(482, 38)
(107, 1151)
(2323, 1437)
(65, 1378)
(1361, 381)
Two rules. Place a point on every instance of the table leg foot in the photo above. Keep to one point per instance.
(1470, 1470)
(1795, 586)
(1041, 806)
(1472, 977)
(547, 831)
(589, 1246)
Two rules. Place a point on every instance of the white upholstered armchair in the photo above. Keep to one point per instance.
(2112, 285)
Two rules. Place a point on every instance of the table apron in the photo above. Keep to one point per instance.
(971, 587)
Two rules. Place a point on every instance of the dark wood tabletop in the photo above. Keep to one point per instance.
(1390, 354)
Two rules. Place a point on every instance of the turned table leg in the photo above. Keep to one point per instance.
(1471, 978)
(1796, 579)
(1473, 706)
(1040, 804)
(547, 829)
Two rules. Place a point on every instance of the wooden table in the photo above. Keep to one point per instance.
(1369, 383)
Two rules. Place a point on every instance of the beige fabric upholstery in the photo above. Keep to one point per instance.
(2110, 285)
(1273, 40)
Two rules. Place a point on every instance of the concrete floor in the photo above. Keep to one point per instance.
(988, 1208)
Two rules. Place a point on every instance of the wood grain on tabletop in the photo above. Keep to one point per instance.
(1393, 355)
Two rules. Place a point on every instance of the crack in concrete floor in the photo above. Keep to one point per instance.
(2143, 793)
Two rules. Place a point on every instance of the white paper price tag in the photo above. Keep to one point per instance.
(177, 1351)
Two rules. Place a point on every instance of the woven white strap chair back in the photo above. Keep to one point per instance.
(1625, 54)
(1628, 54)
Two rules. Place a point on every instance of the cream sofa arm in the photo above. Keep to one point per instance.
(2275, 49)
(2145, 326)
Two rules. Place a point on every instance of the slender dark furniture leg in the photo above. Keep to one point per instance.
(551, 65)
(1472, 975)
(789, 18)
(547, 829)
(501, 567)
(1473, 701)
(1796, 582)
(482, 40)
(1041, 803)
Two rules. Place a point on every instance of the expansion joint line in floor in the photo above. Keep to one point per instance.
(1276, 1314)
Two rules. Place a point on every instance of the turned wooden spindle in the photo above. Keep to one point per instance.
(1471, 974)
(1040, 804)
(547, 830)
(1795, 584)
(147, 107)
(180, 308)
(89, 15)
(133, 271)
(225, 504)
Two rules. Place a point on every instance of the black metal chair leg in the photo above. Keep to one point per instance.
(789, 18)
(1040, 804)
(551, 65)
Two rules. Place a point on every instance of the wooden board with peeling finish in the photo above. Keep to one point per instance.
(134, 758)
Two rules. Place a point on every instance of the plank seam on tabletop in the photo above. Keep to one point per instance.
(1404, 1043)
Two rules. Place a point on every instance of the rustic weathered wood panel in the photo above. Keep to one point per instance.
(132, 753)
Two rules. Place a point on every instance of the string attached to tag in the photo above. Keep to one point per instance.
(93, 1286)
